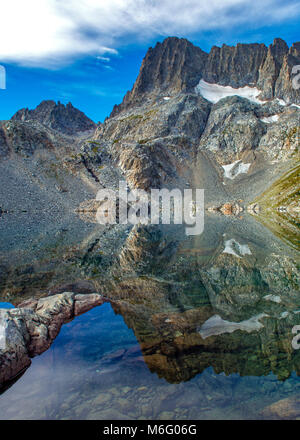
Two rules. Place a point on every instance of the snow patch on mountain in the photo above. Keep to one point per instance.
(281, 102)
(270, 119)
(215, 92)
(234, 169)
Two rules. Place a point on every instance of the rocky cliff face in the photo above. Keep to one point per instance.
(172, 66)
(236, 66)
(169, 131)
(283, 86)
(176, 65)
(63, 118)
(269, 69)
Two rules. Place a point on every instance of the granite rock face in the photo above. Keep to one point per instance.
(269, 70)
(232, 128)
(45, 163)
(236, 66)
(153, 143)
(166, 134)
(283, 87)
(63, 118)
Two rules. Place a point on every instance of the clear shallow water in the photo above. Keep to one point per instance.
(95, 370)
(144, 356)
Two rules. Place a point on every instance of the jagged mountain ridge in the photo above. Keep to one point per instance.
(63, 118)
(177, 65)
(168, 133)
(165, 133)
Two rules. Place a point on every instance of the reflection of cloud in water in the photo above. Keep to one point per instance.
(217, 326)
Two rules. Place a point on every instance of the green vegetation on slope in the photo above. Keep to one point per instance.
(283, 193)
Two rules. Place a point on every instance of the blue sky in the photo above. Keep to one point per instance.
(89, 52)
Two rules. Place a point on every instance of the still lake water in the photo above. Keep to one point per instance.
(197, 328)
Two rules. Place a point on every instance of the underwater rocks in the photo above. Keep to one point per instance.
(30, 329)
(286, 409)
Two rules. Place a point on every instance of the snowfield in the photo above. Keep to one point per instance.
(234, 169)
(270, 119)
(215, 92)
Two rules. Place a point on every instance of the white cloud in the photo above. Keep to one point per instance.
(49, 31)
(106, 59)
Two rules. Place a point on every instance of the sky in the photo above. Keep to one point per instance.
(89, 52)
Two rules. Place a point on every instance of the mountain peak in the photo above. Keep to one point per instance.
(171, 66)
(175, 66)
(64, 118)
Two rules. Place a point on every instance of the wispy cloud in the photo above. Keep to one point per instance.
(45, 32)
(103, 58)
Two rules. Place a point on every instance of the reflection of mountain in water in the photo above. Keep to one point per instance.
(207, 302)
(228, 298)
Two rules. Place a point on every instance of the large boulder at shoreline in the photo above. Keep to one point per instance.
(30, 329)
